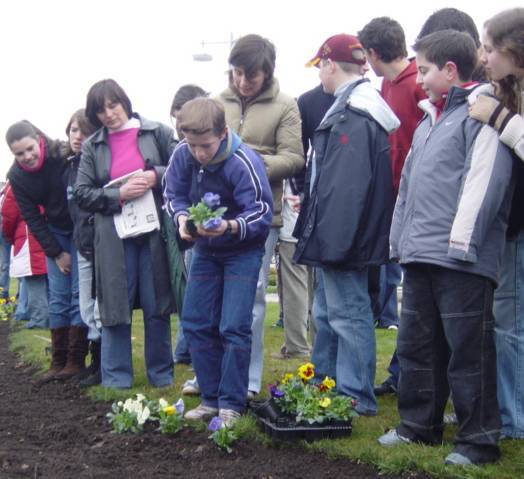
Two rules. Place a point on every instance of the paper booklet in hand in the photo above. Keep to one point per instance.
(139, 215)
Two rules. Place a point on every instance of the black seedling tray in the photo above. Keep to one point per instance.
(309, 432)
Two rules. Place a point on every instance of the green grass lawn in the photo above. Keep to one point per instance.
(361, 446)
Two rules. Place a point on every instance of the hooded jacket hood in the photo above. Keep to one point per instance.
(364, 97)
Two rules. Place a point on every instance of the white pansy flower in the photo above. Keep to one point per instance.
(143, 415)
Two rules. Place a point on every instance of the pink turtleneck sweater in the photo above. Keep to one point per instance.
(125, 155)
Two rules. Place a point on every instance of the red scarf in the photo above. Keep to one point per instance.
(41, 158)
(439, 104)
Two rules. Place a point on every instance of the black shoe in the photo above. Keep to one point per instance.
(385, 388)
(182, 360)
(279, 324)
(92, 380)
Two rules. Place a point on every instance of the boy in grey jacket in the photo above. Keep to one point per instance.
(448, 232)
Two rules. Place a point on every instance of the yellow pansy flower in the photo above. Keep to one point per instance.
(169, 410)
(306, 371)
(324, 402)
(329, 383)
(287, 377)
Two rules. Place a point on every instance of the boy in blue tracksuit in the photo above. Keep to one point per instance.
(226, 258)
(448, 232)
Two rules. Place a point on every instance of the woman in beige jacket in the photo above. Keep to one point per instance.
(268, 121)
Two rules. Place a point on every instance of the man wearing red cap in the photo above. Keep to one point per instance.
(343, 226)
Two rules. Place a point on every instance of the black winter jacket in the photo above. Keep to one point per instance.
(346, 215)
(44, 187)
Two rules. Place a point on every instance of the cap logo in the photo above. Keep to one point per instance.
(326, 50)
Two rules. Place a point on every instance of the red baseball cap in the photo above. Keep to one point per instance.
(340, 48)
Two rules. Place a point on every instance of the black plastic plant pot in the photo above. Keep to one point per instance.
(282, 427)
(191, 228)
(266, 409)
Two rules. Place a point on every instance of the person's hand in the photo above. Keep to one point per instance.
(149, 176)
(294, 202)
(489, 110)
(212, 233)
(63, 261)
(137, 185)
(182, 230)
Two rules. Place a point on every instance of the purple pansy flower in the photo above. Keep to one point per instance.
(215, 424)
(211, 199)
(275, 392)
(212, 223)
(179, 406)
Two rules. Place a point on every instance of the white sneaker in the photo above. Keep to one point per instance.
(228, 416)
(392, 438)
(201, 412)
(191, 388)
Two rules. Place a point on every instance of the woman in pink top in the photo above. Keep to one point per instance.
(131, 272)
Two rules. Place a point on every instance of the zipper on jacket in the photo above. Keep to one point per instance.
(241, 123)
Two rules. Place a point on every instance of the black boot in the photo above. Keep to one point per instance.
(95, 377)
(94, 348)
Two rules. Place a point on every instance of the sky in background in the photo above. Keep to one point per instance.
(53, 51)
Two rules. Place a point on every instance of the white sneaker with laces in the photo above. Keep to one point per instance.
(228, 416)
(191, 388)
(201, 412)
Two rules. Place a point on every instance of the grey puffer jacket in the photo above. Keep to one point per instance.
(455, 192)
(156, 143)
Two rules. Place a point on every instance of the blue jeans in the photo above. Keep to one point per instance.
(259, 314)
(21, 313)
(64, 308)
(390, 277)
(446, 342)
(88, 305)
(509, 338)
(394, 370)
(37, 303)
(116, 364)
(217, 319)
(5, 257)
(345, 342)
(181, 353)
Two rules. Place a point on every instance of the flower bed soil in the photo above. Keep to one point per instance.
(53, 431)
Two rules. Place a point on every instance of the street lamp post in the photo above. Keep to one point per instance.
(207, 57)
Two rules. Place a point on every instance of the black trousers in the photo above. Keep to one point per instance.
(446, 342)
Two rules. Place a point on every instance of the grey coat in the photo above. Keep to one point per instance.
(455, 192)
(156, 143)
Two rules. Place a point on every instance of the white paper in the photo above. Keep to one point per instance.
(138, 216)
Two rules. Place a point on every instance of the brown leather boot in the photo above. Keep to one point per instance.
(59, 343)
(76, 356)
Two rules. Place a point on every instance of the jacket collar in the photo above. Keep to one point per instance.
(228, 147)
(456, 96)
(360, 95)
(100, 136)
(343, 99)
(268, 94)
(409, 71)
